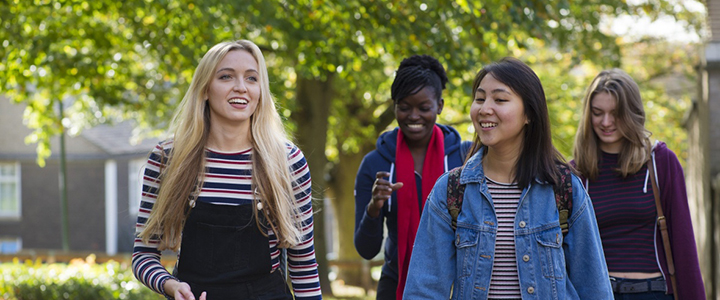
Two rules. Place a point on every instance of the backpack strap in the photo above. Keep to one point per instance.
(563, 196)
(455, 192)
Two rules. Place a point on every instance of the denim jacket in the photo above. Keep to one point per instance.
(550, 266)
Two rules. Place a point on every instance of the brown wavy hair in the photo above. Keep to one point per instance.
(629, 118)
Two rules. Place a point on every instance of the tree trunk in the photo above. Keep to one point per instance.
(311, 116)
(63, 185)
(354, 270)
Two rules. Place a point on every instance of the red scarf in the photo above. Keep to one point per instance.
(408, 214)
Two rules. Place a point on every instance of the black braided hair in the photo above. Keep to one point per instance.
(415, 73)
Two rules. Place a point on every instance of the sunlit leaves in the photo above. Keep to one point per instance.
(667, 78)
(137, 57)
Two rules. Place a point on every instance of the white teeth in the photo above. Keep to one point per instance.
(415, 126)
(488, 125)
(238, 101)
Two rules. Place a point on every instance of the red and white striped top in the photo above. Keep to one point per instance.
(228, 182)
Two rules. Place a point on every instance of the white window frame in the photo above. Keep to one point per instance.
(136, 171)
(13, 179)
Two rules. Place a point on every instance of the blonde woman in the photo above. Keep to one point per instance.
(612, 148)
(227, 192)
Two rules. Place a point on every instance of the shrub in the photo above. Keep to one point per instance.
(79, 279)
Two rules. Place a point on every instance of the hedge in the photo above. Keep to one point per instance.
(80, 279)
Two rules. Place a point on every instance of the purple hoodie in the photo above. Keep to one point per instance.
(673, 197)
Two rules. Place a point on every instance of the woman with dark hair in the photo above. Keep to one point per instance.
(411, 156)
(508, 241)
(612, 152)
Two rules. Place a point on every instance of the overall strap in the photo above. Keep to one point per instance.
(662, 224)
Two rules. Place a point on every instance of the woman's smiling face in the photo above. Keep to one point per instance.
(416, 115)
(234, 90)
(605, 122)
(498, 115)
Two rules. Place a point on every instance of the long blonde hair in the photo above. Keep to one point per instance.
(629, 118)
(182, 178)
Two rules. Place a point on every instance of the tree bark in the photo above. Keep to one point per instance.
(314, 96)
(354, 270)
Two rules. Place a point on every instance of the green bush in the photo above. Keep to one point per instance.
(79, 279)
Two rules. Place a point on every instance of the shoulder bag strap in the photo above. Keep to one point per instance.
(662, 224)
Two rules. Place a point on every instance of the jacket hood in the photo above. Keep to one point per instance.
(387, 142)
(659, 146)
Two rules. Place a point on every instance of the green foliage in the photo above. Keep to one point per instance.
(77, 280)
(564, 82)
(134, 59)
(667, 78)
(111, 60)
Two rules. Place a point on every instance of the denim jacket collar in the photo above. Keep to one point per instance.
(473, 170)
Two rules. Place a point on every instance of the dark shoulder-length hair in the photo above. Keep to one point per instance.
(538, 157)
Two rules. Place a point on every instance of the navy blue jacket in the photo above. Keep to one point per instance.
(369, 231)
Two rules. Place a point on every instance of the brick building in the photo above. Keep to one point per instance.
(103, 169)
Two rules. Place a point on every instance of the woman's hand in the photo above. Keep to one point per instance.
(180, 290)
(381, 192)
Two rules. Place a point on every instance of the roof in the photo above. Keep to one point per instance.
(117, 139)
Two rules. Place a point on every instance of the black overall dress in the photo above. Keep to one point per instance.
(224, 254)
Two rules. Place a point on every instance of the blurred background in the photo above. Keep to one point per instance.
(88, 87)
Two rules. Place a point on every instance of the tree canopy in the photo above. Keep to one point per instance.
(137, 57)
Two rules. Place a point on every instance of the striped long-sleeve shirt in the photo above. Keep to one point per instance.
(505, 281)
(228, 182)
(625, 210)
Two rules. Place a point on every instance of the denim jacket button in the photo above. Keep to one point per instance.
(522, 224)
(526, 257)
(457, 239)
(531, 290)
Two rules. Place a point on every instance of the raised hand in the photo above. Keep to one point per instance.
(381, 192)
